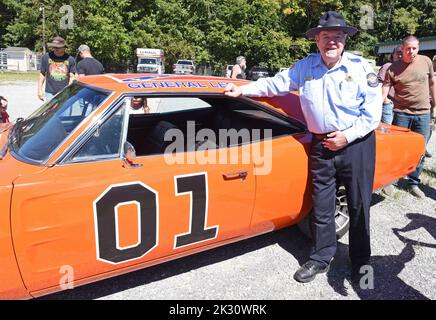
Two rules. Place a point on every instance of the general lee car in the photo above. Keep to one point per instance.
(89, 190)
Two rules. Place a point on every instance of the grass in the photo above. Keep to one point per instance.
(19, 76)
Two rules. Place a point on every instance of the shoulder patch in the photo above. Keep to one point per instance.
(372, 80)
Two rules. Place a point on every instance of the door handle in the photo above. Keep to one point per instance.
(235, 175)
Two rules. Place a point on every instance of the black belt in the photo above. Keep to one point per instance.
(320, 136)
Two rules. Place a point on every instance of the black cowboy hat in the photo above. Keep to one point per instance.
(331, 20)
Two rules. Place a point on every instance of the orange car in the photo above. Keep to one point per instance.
(90, 188)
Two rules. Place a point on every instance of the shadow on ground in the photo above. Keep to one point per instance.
(386, 269)
(428, 191)
(291, 239)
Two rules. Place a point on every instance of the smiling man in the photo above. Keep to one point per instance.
(414, 83)
(340, 100)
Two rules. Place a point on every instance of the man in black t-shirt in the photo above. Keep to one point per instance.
(57, 70)
(88, 65)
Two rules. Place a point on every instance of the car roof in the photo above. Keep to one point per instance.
(159, 83)
(179, 84)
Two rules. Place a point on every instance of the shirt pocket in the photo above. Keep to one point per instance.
(311, 89)
(349, 92)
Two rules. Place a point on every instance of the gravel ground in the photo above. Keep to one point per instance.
(403, 230)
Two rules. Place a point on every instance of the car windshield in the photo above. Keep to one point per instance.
(184, 62)
(147, 61)
(37, 137)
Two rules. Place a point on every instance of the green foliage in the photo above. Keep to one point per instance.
(268, 32)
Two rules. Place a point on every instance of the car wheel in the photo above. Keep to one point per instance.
(342, 217)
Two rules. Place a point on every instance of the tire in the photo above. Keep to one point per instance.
(342, 217)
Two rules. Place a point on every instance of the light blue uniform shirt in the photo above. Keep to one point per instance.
(336, 99)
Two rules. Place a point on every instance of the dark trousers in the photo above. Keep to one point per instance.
(352, 166)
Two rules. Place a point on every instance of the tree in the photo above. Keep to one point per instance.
(269, 32)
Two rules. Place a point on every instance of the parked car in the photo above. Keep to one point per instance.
(184, 67)
(89, 190)
(256, 73)
(282, 69)
(228, 72)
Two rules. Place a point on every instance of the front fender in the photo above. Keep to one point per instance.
(11, 284)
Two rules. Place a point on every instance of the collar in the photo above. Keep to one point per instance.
(345, 63)
(320, 63)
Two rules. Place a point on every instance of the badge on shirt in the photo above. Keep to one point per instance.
(372, 80)
(348, 77)
(308, 78)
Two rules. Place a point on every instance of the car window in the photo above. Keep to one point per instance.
(211, 123)
(105, 141)
(166, 105)
(191, 123)
(147, 61)
(39, 135)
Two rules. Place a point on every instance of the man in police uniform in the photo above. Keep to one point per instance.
(340, 100)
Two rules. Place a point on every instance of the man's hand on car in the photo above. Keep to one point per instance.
(232, 90)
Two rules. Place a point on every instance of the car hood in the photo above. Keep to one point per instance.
(10, 167)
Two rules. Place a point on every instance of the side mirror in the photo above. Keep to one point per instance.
(129, 156)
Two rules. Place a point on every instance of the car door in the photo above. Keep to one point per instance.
(95, 213)
(283, 194)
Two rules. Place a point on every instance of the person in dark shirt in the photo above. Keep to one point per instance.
(88, 65)
(4, 116)
(57, 70)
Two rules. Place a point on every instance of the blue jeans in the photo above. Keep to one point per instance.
(387, 113)
(419, 123)
(48, 96)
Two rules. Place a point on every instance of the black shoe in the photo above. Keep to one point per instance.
(308, 271)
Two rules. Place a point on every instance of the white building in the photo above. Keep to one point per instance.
(3, 60)
(20, 59)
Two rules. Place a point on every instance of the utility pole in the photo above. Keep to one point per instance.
(41, 8)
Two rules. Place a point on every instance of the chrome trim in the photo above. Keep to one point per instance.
(128, 159)
(87, 133)
(100, 158)
(45, 162)
(125, 127)
(26, 160)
